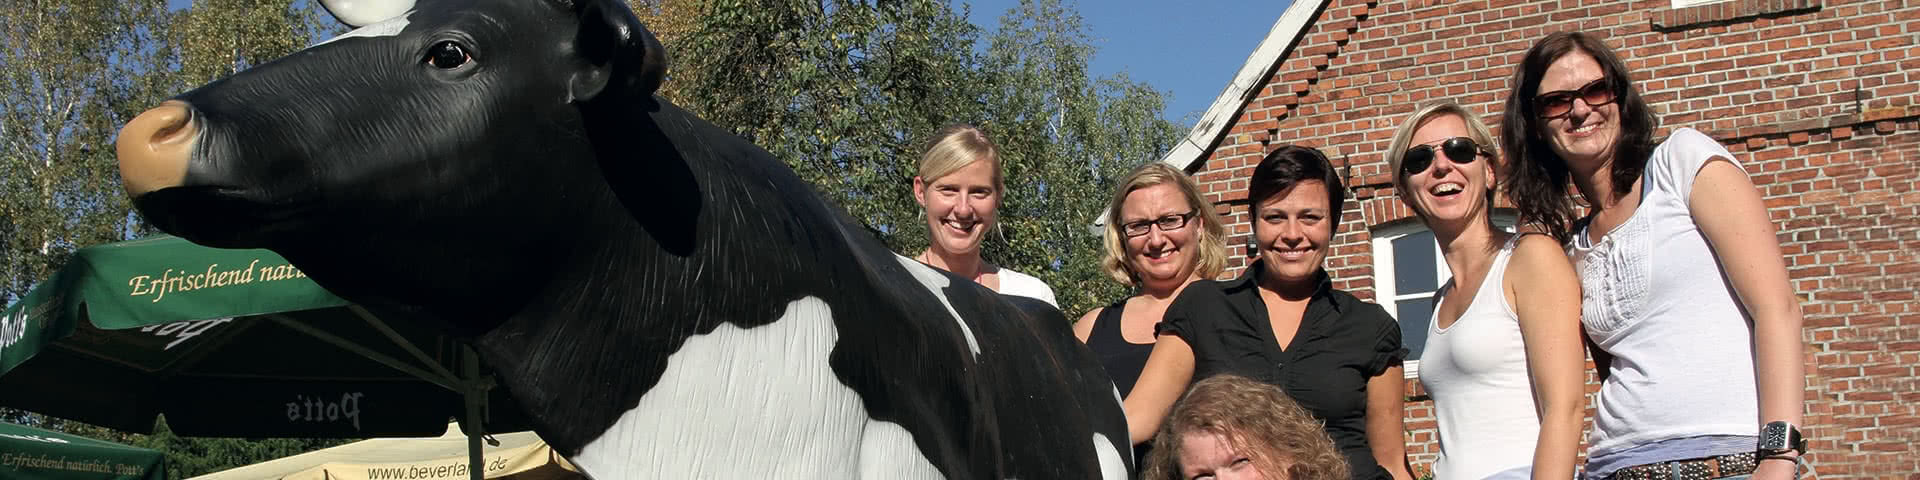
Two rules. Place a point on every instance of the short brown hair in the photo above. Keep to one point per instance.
(1257, 420)
(1289, 165)
(1211, 258)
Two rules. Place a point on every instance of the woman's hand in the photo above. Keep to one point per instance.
(1777, 470)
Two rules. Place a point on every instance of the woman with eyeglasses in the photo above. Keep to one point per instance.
(1502, 358)
(960, 186)
(1161, 235)
(1684, 290)
(1283, 323)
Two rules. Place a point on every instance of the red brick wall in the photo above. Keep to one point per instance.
(1820, 100)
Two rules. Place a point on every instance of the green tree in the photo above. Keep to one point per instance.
(66, 78)
(72, 72)
(845, 91)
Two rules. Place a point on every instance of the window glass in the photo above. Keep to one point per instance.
(1413, 265)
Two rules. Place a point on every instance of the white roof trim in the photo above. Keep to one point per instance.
(1290, 28)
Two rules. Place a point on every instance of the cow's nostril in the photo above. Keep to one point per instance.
(155, 146)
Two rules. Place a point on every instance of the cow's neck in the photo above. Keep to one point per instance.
(699, 228)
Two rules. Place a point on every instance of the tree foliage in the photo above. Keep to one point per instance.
(845, 91)
(72, 72)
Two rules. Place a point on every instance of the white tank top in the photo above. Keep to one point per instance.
(1476, 371)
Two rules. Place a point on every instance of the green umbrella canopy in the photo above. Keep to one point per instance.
(28, 453)
(234, 343)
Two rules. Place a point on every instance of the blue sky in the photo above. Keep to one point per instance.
(1190, 48)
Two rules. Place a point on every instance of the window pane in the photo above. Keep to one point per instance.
(1414, 314)
(1413, 264)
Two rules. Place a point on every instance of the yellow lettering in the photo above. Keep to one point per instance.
(140, 285)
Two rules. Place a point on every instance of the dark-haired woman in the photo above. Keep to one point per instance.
(1283, 323)
(1685, 293)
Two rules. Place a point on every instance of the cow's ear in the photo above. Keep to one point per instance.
(617, 51)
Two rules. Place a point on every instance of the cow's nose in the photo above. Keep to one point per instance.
(155, 146)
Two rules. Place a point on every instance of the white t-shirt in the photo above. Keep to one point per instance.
(1016, 283)
(1476, 371)
(1654, 296)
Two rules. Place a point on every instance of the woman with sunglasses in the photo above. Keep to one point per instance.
(1502, 357)
(960, 186)
(1161, 235)
(1685, 294)
(1283, 323)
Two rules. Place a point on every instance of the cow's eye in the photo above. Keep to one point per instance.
(447, 55)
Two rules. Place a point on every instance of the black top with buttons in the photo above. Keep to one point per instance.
(1341, 343)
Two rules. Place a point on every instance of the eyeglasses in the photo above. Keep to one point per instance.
(1167, 224)
(1461, 150)
(1557, 103)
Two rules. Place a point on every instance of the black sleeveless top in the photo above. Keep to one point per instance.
(1122, 359)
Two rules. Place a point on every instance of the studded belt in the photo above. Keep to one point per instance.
(1691, 469)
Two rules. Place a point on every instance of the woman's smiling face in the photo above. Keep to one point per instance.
(961, 207)
(1585, 136)
(1294, 229)
(1448, 191)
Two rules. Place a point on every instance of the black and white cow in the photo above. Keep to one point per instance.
(667, 300)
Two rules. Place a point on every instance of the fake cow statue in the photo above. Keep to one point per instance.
(665, 299)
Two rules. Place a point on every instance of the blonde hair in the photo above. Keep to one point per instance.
(956, 146)
(1403, 140)
(1256, 420)
(1211, 254)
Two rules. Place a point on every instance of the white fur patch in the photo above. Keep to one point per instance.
(384, 28)
(755, 403)
(887, 451)
(937, 283)
(1112, 466)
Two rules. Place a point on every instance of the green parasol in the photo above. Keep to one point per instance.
(230, 343)
(28, 453)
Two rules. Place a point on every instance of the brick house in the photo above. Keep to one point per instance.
(1819, 100)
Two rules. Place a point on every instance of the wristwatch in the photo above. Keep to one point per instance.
(1780, 438)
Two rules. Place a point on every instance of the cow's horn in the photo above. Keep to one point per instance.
(360, 13)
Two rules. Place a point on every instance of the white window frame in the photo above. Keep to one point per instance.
(1694, 3)
(1385, 291)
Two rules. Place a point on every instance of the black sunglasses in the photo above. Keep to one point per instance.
(1556, 103)
(1461, 150)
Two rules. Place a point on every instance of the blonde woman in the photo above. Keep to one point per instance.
(1232, 428)
(1161, 235)
(960, 187)
(1502, 358)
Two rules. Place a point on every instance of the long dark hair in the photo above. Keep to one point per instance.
(1537, 178)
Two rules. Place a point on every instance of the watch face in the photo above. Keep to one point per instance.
(1775, 436)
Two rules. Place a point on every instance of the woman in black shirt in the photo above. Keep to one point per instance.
(1283, 323)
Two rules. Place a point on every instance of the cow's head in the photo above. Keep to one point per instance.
(451, 134)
